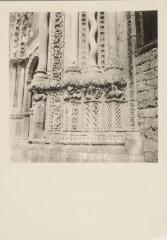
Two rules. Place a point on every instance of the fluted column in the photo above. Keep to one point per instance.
(112, 34)
(43, 42)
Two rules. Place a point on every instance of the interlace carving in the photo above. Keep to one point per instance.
(75, 116)
(56, 46)
(55, 111)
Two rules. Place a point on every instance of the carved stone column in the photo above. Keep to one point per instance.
(112, 34)
(30, 137)
(43, 46)
(40, 76)
(21, 86)
(75, 38)
(12, 84)
(71, 39)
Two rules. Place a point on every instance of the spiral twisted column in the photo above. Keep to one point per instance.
(92, 40)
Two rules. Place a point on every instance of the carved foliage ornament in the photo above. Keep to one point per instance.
(77, 84)
(109, 84)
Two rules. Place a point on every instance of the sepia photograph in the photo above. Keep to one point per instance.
(83, 86)
(83, 120)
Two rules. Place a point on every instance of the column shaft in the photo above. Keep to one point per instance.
(75, 35)
(43, 42)
(112, 34)
(13, 82)
(21, 87)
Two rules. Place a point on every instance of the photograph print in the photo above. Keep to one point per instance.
(83, 86)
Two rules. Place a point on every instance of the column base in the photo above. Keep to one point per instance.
(40, 76)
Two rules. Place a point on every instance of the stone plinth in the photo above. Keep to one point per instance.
(41, 152)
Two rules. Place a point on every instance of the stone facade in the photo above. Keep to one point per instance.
(79, 91)
(147, 97)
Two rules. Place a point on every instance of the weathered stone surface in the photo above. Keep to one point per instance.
(141, 86)
(149, 112)
(153, 63)
(150, 146)
(150, 157)
(147, 97)
(67, 153)
(151, 123)
(147, 104)
(152, 83)
(143, 67)
(151, 73)
(148, 56)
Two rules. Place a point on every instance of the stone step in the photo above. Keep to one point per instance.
(24, 152)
